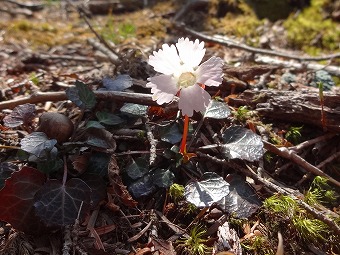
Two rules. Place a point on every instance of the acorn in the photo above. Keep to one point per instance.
(56, 126)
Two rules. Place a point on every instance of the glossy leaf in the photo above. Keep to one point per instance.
(6, 170)
(170, 133)
(137, 168)
(120, 83)
(109, 118)
(134, 109)
(142, 187)
(210, 189)
(17, 199)
(242, 143)
(163, 178)
(99, 138)
(38, 144)
(94, 124)
(58, 204)
(98, 164)
(81, 96)
(242, 201)
(21, 115)
(217, 110)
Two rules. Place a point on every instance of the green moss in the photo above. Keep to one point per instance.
(310, 31)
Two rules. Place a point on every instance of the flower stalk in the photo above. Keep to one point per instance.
(183, 148)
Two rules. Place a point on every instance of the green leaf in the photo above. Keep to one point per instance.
(98, 164)
(170, 133)
(163, 178)
(50, 166)
(134, 109)
(137, 168)
(109, 118)
(94, 124)
(81, 96)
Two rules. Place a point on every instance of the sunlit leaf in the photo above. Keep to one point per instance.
(21, 115)
(81, 96)
(17, 201)
(120, 83)
(38, 144)
(58, 204)
(170, 133)
(109, 118)
(239, 142)
(217, 110)
(210, 189)
(242, 201)
(134, 109)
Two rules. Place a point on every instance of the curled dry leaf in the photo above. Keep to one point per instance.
(119, 189)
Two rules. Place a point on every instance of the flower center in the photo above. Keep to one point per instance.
(186, 80)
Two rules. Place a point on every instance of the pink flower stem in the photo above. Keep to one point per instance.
(183, 149)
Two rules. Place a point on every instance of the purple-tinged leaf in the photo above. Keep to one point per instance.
(38, 144)
(21, 115)
(100, 138)
(120, 83)
(58, 204)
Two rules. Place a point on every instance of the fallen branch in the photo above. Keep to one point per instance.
(294, 106)
(127, 97)
(225, 41)
(334, 70)
(291, 155)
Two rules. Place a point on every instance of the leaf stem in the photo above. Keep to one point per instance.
(185, 134)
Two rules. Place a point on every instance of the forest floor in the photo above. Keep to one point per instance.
(262, 172)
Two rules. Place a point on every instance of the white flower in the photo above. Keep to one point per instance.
(183, 76)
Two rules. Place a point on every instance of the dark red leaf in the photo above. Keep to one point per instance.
(16, 198)
(58, 204)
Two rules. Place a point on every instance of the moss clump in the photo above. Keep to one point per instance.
(241, 23)
(310, 31)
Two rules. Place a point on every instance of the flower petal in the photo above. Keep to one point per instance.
(210, 72)
(191, 53)
(165, 61)
(164, 83)
(163, 88)
(193, 98)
